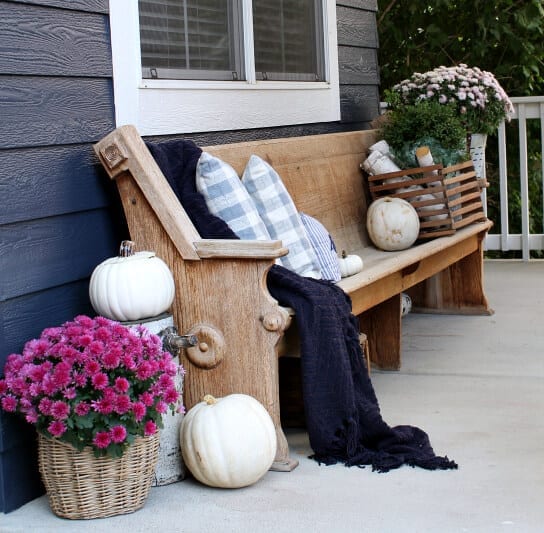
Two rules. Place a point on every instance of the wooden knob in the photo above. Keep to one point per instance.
(273, 321)
(210, 350)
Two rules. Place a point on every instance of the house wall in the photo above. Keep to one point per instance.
(60, 215)
(58, 218)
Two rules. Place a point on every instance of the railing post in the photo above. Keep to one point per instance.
(503, 187)
(524, 181)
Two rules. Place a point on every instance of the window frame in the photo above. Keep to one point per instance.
(162, 107)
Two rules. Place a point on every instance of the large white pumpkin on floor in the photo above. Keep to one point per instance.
(132, 286)
(228, 442)
(392, 223)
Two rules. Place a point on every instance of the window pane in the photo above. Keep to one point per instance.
(288, 39)
(196, 39)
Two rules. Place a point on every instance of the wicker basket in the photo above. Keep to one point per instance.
(81, 486)
(446, 199)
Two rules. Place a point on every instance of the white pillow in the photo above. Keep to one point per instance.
(323, 246)
(228, 199)
(280, 216)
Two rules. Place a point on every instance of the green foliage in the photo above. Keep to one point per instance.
(504, 37)
(426, 123)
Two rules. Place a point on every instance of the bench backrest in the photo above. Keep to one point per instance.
(321, 172)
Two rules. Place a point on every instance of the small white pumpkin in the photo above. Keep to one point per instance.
(349, 264)
(228, 442)
(392, 223)
(132, 286)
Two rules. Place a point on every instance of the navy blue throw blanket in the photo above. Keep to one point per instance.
(342, 412)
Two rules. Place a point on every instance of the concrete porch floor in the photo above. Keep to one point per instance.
(475, 384)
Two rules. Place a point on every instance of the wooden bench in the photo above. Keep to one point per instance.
(221, 293)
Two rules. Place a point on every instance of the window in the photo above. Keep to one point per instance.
(191, 39)
(184, 66)
(288, 40)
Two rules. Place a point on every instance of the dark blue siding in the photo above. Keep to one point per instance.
(60, 215)
(51, 180)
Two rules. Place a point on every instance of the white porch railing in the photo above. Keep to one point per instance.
(526, 108)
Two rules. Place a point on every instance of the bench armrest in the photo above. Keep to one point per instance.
(239, 249)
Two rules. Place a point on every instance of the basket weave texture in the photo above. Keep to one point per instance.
(82, 486)
(446, 199)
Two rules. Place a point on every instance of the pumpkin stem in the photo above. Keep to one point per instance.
(209, 399)
(127, 248)
(344, 254)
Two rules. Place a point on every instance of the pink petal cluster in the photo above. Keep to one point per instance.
(92, 381)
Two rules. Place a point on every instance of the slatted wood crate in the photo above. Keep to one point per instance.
(445, 198)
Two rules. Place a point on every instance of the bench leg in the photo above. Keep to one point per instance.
(382, 326)
(459, 289)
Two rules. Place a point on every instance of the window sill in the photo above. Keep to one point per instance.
(234, 85)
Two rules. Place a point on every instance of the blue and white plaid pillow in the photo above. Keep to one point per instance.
(323, 246)
(228, 199)
(280, 216)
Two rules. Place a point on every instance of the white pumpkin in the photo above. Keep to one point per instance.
(349, 264)
(392, 223)
(132, 286)
(228, 442)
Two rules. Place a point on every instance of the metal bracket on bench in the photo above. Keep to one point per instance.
(172, 342)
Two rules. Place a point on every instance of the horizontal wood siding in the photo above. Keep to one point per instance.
(358, 60)
(38, 46)
(60, 214)
(49, 181)
(69, 246)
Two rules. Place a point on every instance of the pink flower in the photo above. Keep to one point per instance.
(111, 360)
(100, 380)
(31, 416)
(147, 398)
(45, 406)
(121, 384)
(161, 407)
(122, 404)
(92, 367)
(171, 396)
(150, 428)
(103, 333)
(70, 393)
(82, 408)
(118, 434)
(139, 410)
(96, 348)
(102, 439)
(60, 410)
(9, 404)
(104, 406)
(144, 371)
(56, 428)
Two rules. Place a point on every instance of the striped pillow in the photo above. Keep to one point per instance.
(323, 246)
(280, 216)
(228, 199)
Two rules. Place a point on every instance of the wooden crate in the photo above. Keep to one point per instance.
(445, 198)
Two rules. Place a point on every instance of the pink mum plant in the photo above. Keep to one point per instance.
(92, 382)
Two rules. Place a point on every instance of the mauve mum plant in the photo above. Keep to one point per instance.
(476, 95)
(92, 382)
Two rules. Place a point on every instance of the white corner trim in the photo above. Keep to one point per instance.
(160, 107)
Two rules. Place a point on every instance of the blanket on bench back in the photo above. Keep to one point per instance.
(342, 412)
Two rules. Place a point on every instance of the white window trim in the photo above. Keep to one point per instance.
(161, 107)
